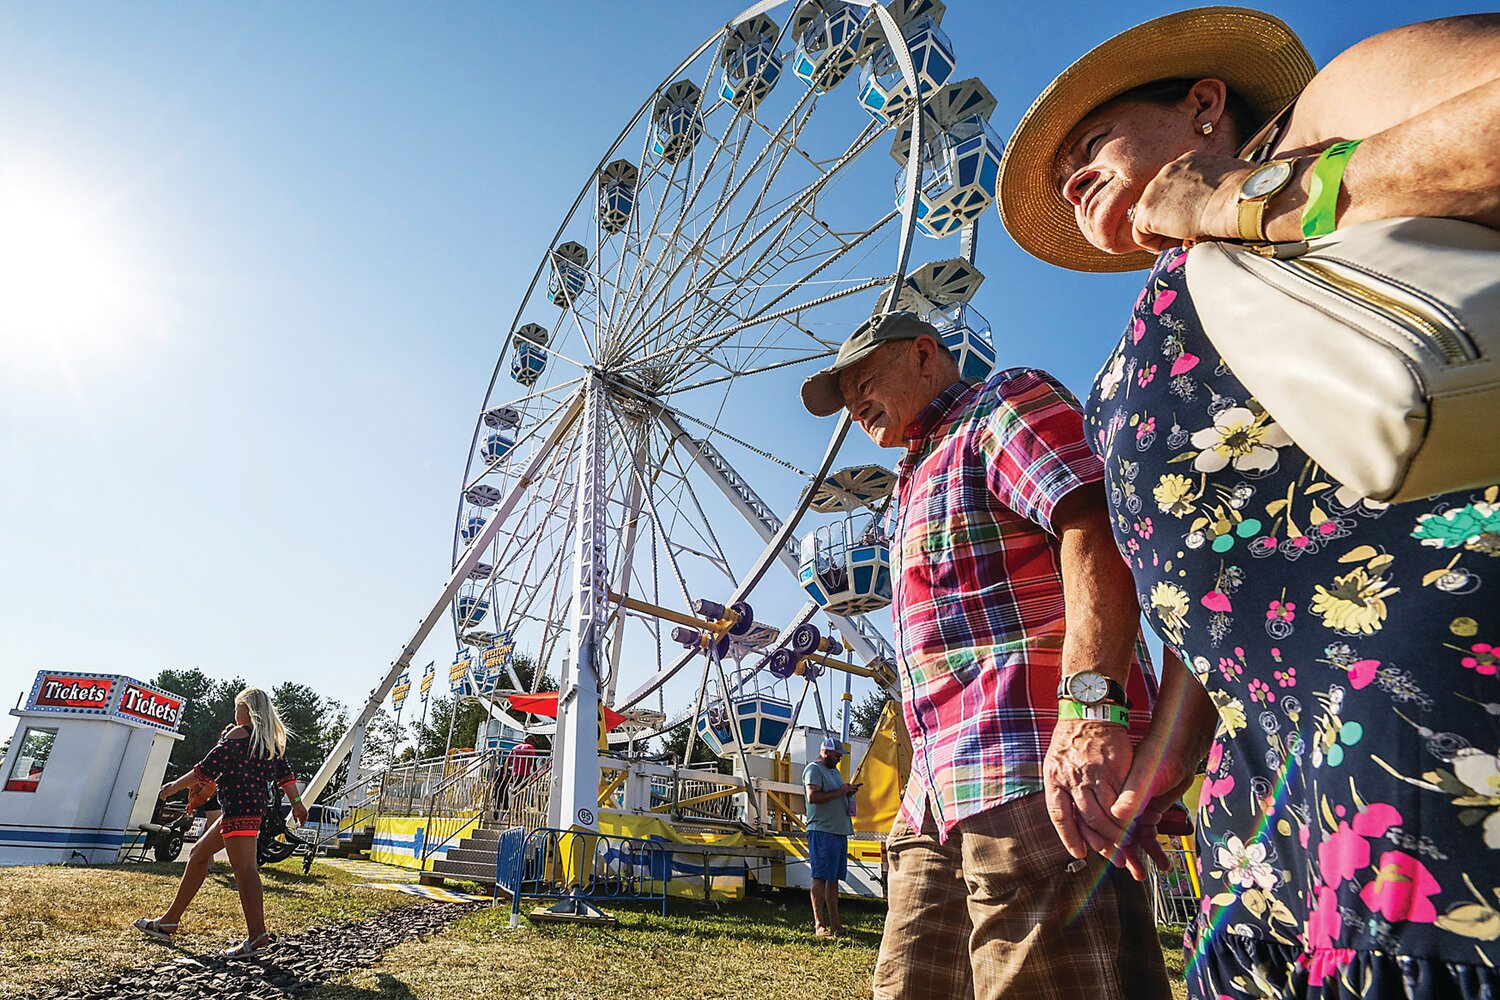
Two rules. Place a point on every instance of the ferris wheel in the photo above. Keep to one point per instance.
(631, 472)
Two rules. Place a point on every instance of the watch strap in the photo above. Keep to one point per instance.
(1252, 220)
(1102, 712)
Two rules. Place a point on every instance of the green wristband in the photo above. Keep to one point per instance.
(1070, 709)
(1319, 215)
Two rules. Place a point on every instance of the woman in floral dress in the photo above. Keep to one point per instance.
(1350, 814)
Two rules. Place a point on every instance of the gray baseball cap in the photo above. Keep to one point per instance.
(820, 392)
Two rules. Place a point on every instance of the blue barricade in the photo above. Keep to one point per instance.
(549, 863)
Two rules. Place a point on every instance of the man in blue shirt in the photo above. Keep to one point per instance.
(828, 830)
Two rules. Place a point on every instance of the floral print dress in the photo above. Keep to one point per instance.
(1349, 823)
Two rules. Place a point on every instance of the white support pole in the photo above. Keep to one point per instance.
(439, 609)
(575, 748)
(356, 773)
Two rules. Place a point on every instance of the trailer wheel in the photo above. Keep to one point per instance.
(169, 846)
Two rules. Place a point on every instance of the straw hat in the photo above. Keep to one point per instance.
(1256, 55)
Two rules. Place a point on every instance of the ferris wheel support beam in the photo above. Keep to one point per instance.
(632, 522)
(439, 611)
(575, 772)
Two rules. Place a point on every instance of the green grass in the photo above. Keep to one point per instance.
(759, 948)
(70, 926)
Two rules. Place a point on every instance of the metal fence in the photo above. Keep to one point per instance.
(713, 797)
(550, 863)
(1174, 889)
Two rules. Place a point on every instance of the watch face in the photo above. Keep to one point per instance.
(1266, 180)
(1088, 687)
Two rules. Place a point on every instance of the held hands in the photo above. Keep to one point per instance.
(1157, 779)
(1087, 765)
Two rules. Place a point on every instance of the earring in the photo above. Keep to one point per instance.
(1207, 128)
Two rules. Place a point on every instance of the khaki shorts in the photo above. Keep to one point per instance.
(997, 912)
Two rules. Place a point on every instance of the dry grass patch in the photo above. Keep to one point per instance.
(71, 926)
(754, 949)
(762, 947)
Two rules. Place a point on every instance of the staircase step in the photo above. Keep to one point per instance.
(474, 871)
(475, 855)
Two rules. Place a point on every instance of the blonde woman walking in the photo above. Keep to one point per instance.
(246, 759)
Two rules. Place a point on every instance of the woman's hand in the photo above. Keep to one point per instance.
(167, 791)
(300, 812)
(1194, 197)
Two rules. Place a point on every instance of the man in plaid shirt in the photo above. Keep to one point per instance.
(1007, 584)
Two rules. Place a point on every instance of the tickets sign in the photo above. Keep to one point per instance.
(61, 692)
(149, 705)
(73, 691)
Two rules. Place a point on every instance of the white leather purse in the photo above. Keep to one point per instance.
(1376, 348)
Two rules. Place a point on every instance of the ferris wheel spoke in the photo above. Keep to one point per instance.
(684, 216)
(786, 218)
(761, 318)
(544, 423)
(530, 540)
(710, 342)
(648, 495)
(662, 197)
(664, 282)
(701, 526)
(744, 373)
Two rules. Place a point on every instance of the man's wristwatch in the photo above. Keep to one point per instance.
(1103, 712)
(1257, 189)
(1089, 687)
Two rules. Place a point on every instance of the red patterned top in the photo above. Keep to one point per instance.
(978, 592)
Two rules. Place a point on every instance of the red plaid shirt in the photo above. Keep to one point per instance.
(978, 590)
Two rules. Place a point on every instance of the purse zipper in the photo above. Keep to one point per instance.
(1441, 339)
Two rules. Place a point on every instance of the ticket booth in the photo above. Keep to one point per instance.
(83, 767)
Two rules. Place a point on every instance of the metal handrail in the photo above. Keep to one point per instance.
(350, 814)
(484, 763)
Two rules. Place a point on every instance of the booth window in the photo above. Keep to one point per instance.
(30, 759)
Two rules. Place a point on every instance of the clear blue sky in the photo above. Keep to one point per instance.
(232, 426)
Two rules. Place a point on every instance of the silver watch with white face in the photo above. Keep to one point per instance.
(1089, 687)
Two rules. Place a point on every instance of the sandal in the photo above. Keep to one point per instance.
(250, 949)
(155, 929)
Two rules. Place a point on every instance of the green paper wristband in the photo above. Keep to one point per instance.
(1319, 215)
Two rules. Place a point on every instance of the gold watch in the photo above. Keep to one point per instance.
(1258, 189)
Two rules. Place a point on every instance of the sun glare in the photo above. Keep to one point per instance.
(63, 282)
